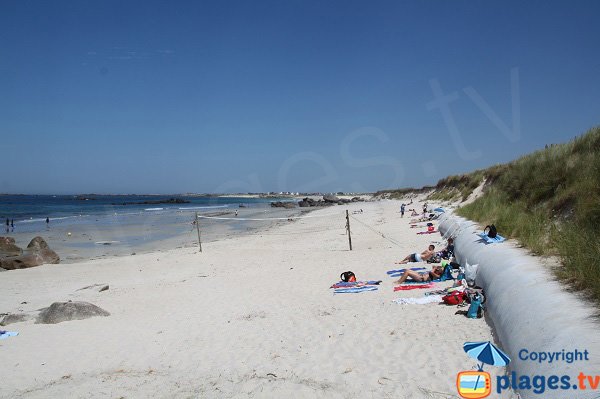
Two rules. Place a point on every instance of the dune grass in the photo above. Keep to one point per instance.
(550, 201)
(401, 192)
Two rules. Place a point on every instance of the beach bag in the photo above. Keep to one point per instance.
(475, 309)
(454, 298)
(447, 275)
(492, 233)
(470, 272)
(347, 277)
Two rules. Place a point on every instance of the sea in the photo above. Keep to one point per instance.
(84, 227)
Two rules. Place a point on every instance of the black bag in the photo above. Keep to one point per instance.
(347, 276)
(492, 233)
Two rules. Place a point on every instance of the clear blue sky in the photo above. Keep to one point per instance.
(238, 96)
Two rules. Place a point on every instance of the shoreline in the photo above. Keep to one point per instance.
(77, 243)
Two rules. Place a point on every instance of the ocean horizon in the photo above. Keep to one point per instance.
(80, 227)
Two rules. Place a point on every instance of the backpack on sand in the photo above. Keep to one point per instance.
(454, 298)
(347, 277)
(492, 233)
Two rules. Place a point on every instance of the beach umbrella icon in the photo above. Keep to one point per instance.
(487, 353)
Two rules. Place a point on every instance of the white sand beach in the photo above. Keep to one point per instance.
(251, 316)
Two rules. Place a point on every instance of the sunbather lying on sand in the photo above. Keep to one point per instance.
(416, 257)
(421, 276)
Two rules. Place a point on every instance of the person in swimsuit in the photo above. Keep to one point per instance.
(434, 274)
(416, 257)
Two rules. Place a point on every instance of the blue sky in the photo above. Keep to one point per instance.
(239, 96)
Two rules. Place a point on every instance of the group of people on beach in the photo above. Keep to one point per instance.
(10, 224)
(425, 256)
(413, 210)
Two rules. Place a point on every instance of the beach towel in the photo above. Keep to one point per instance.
(6, 334)
(488, 240)
(419, 300)
(428, 232)
(413, 287)
(437, 280)
(403, 270)
(354, 290)
(343, 284)
(413, 282)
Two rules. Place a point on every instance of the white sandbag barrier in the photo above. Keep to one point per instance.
(546, 330)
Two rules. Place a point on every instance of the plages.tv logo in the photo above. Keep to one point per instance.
(478, 384)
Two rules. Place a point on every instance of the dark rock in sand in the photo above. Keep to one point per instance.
(103, 288)
(37, 254)
(37, 244)
(22, 262)
(8, 247)
(304, 203)
(309, 202)
(280, 204)
(15, 318)
(66, 311)
(330, 198)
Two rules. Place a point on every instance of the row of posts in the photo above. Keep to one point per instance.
(347, 230)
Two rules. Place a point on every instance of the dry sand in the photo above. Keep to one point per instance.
(251, 316)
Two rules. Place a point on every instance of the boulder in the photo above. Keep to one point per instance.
(37, 244)
(8, 247)
(21, 262)
(280, 204)
(66, 311)
(331, 198)
(306, 202)
(303, 203)
(40, 247)
(36, 254)
(15, 318)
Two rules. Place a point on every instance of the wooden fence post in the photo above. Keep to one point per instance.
(348, 229)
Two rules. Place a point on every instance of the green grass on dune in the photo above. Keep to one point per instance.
(550, 201)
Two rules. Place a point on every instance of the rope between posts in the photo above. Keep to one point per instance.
(378, 232)
(259, 219)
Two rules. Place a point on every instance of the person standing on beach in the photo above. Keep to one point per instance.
(7, 224)
(402, 210)
(425, 208)
(47, 222)
(12, 225)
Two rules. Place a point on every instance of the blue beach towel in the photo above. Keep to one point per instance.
(353, 290)
(402, 270)
(6, 334)
(488, 240)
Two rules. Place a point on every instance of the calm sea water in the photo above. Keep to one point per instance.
(80, 229)
(32, 208)
(29, 212)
